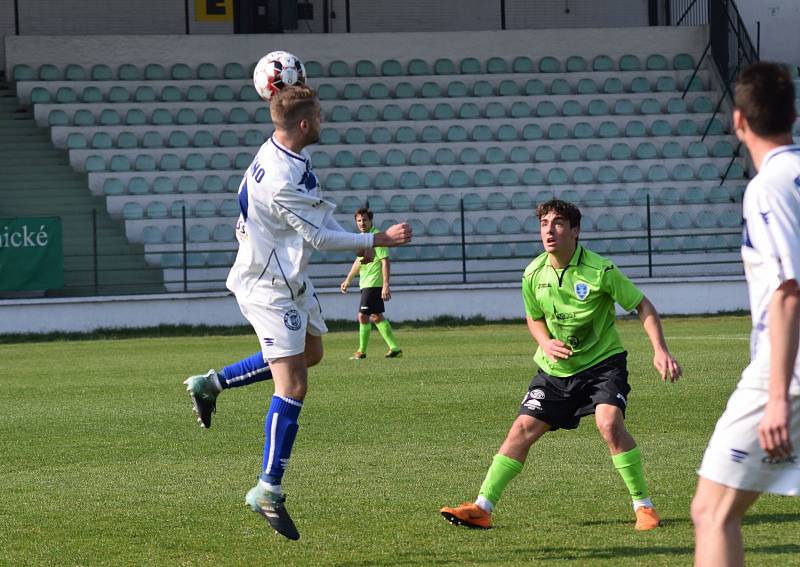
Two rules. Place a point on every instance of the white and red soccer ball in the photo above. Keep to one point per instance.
(276, 70)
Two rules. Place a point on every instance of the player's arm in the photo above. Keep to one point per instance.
(386, 295)
(784, 333)
(553, 348)
(664, 362)
(350, 275)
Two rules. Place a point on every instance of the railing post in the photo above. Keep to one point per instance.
(95, 273)
(183, 244)
(463, 243)
(649, 240)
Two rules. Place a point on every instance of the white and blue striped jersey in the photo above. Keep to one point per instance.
(283, 218)
(770, 251)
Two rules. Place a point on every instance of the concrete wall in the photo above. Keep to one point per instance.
(194, 49)
(780, 22)
(492, 301)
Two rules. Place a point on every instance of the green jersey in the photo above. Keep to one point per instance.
(577, 304)
(371, 274)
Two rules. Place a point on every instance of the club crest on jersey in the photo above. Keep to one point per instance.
(581, 290)
(292, 320)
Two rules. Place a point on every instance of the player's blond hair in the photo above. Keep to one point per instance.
(292, 104)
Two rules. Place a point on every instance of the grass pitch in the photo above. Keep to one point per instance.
(104, 463)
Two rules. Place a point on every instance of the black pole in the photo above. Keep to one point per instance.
(758, 39)
(347, 14)
(325, 15)
(502, 14)
(183, 244)
(463, 244)
(16, 17)
(186, 14)
(649, 240)
(652, 12)
(94, 251)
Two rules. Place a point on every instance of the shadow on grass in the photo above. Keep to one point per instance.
(749, 519)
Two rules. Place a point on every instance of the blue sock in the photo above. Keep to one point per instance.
(248, 371)
(280, 429)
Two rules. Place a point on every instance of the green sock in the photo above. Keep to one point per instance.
(629, 466)
(385, 329)
(363, 336)
(501, 472)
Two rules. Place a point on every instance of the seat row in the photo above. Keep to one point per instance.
(66, 94)
(472, 155)
(162, 185)
(193, 161)
(361, 68)
(519, 109)
(204, 208)
(153, 139)
(158, 116)
(507, 177)
(522, 130)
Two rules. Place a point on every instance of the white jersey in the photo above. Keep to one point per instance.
(770, 251)
(282, 213)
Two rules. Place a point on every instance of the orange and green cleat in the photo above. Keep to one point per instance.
(358, 355)
(394, 353)
(646, 519)
(468, 514)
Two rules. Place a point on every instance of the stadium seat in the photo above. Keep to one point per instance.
(630, 63)
(549, 65)
(418, 67)
(444, 66)
(602, 63)
(683, 62)
(560, 87)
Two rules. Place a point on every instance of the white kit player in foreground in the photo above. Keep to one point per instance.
(283, 220)
(753, 448)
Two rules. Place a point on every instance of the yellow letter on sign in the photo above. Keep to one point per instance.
(213, 10)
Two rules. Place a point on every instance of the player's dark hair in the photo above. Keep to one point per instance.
(764, 94)
(561, 208)
(292, 104)
(364, 211)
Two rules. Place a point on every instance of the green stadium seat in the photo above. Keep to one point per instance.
(632, 174)
(596, 152)
(207, 71)
(532, 132)
(686, 127)
(399, 204)
(377, 91)
(640, 85)
(557, 131)
(438, 227)
(221, 93)
(49, 72)
(557, 176)
(180, 72)
(367, 113)
(586, 86)
(369, 158)
(73, 72)
(404, 90)
(607, 174)
(683, 62)
(676, 105)
(534, 87)
(619, 198)
(23, 72)
(261, 115)
(376, 202)
(424, 203)
(597, 107)
(635, 129)
(171, 93)
(576, 64)
(521, 200)
(444, 66)
(152, 139)
(344, 158)
(391, 68)
(117, 94)
(65, 95)
(519, 154)
(392, 113)
(507, 177)
(702, 104)
(155, 72)
(494, 110)
(510, 225)
(434, 179)
(650, 106)
(544, 153)
(178, 139)
(696, 150)
(352, 91)
(522, 64)
(144, 163)
(658, 173)
(145, 93)
(665, 84)
(708, 172)
(630, 63)
(445, 156)
(624, 107)
(155, 209)
(470, 66)
(481, 133)
(483, 178)
(418, 67)
(469, 156)
(255, 137)
(613, 85)
(458, 178)
(380, 135)
(212, 184)
(671, 150)
(482, 89)
(608, 129)
(569, 152)
(234, 71)
(560, 87)
(549, 65)
(109, 117)
(657, 62)
(602, 63)
(327, 91)
(405, 135)
(132, 211)
(335, 182)
(338, 68)
(468, 111)
(113, 186)
(693, 84)
(645, 150)
(583, 130)
(313, 69)
(83, 117)
(128, 72)
(394, 158)
(419, 156)
(496, 65)
(582, 176)
(546, 109)
(169, 162)
(41, 94)
(507, 87)
(723, 148)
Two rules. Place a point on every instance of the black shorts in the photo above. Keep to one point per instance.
(371, 301)
(562, 402)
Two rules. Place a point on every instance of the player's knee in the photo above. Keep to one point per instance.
(376, 318)
(610, 428)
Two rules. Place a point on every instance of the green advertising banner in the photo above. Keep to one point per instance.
(31, 254)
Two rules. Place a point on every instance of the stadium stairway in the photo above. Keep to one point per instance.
(36, 180)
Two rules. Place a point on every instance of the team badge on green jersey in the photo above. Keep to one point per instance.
(581, 290)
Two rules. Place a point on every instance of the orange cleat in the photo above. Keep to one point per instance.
(358, 355)
(468, 514)
(646, 519)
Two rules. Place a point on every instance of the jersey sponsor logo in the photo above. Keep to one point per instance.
(621, 397)
(292, 320)
(573, 342)
(531, 404)
(269, 341)
(309, 179)
(581, 290)
(544, 286)
(537, 394)
(790, 460)
(564, 316)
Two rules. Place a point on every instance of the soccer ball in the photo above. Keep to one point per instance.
(276, 70)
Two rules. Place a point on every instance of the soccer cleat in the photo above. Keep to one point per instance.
(646, 519)
(394, 353)
(270, 505)
(358, 355)
(204, 394)
(468, 514)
